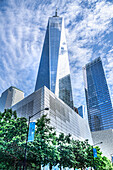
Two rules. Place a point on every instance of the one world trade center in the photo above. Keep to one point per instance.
(54, 72)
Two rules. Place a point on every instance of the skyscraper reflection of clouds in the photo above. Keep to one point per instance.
(54, 72)
(81, 111)
(99, 107)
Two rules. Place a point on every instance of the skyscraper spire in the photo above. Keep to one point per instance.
(55, 13)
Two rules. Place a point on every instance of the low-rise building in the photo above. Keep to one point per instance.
(106, 137)
(10, 97)
(62, 117)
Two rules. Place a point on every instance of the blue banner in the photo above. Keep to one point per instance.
(31, 132)
(94, 152)
(112, 158)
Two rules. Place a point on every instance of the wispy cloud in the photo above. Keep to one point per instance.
(23, 24)
(89, 38)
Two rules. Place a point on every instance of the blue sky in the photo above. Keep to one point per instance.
(89, 34)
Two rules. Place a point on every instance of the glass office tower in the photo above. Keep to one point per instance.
(99, 107)
(54, 72)
(81, 111)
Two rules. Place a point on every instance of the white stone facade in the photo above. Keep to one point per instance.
(105, 136)
(62, 117)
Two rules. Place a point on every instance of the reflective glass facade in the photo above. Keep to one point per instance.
(54, 72)
(99, 107)
(81, 111)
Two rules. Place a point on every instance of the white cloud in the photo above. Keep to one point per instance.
(22, 30)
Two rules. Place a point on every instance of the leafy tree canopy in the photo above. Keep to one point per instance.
(47, 147)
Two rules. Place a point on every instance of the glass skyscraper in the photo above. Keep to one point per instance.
(81, 110)
(99, 106)
(54, 72)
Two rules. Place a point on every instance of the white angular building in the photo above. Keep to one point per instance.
(62, 117)
(106, 137)
(10, 97)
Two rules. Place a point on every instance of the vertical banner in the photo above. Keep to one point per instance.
(94, 152)
(31, 132)
(112, 158)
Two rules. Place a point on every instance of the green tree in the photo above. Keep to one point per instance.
(80, 155)
(12, 134)
(90, 158)
(65, 151)
(102, 162)
(43, 151)
(46, 148)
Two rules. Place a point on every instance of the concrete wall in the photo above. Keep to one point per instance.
(105, 136)
(62, 117)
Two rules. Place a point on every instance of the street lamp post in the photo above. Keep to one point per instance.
(93, 155)
(25, 157)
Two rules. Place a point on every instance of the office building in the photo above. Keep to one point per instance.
(62, 117)
(10, 97)
(54, 72)
(81, 111)
(99, 107)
